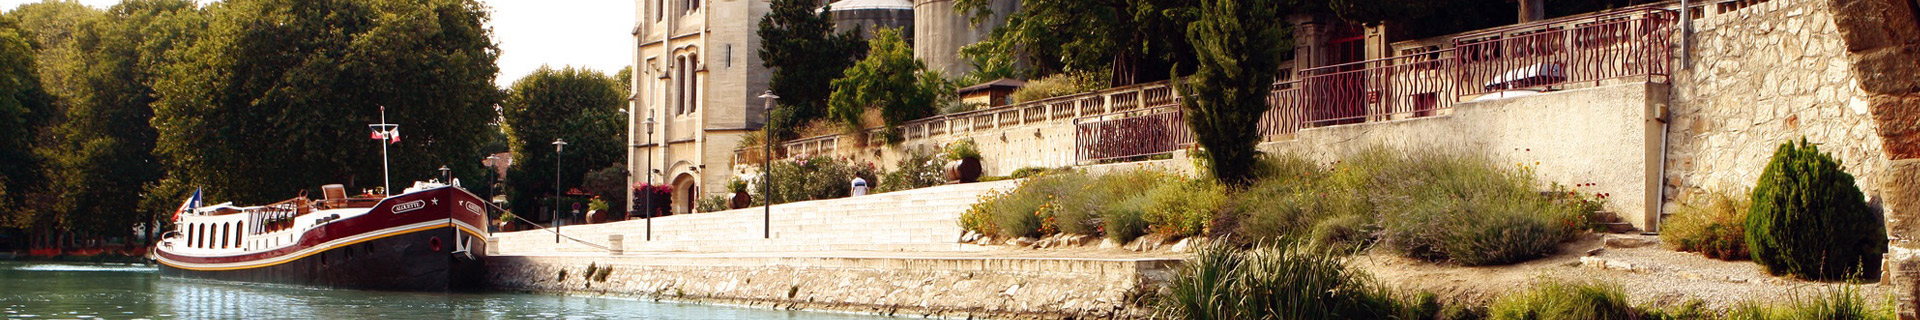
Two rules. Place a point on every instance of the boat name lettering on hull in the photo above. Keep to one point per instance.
(404, 207)
(471, 207)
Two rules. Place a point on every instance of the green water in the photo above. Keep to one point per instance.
(116, 291)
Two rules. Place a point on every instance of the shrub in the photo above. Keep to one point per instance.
(1565, 300)
(1341, 234)
(1060, 84)
(1126, 221)
(1183, 208)
(1716, 228)
(1807, 219)
(1030, 209)
(1029, 172)
(714, 203)
(1269, 282)
(920, 169)
(1293, 206)
(1844, 303)
(813, 178)
(962, 149)
(661, 195)
(1461, 208)
(978, 218)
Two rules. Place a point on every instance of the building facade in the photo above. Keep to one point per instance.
(697, 77)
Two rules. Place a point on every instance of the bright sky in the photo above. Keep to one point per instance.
(582, 33)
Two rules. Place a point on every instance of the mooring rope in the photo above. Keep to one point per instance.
(492, 206)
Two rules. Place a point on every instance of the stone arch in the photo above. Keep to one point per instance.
(686, 189)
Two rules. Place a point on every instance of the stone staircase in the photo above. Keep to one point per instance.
(921, 220)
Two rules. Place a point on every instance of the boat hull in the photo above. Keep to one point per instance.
(425, 241)
(401, 262)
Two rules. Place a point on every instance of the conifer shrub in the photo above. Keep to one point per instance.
(1807, 219)
(1716, 227)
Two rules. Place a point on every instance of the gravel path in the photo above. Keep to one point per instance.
(1650, 275)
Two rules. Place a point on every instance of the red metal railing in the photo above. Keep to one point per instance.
(1590, 48)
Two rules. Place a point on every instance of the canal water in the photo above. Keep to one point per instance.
(117, 291)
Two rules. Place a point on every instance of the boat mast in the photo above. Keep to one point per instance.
(386, 131)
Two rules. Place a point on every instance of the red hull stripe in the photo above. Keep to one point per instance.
(164, 258)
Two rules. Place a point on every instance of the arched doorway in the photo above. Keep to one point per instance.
(685, 192)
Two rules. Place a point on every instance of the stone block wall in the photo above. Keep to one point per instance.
(1753, 78)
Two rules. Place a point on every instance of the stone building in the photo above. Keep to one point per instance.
(867, 15)
(697, 76)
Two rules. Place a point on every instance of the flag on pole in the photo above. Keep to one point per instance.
(192, 203)
(393, 136)
(377, 135)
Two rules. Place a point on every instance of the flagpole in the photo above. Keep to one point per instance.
(385, 179)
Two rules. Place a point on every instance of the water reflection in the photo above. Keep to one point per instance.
(38, 290)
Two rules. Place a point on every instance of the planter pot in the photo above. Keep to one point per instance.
(740, 200)
(508, 226)
(963, 171)
(599, 216)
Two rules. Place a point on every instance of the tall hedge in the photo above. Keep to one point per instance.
(1807, 219)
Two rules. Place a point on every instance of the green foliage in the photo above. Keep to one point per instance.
(1566, 300)
(799, 45)
(1807, 219)
(597, 204)
(1029, 172)
(1280, 282)
(578, 105)
(1297, 199)
(736, 185)
(1716, 228)
(1461, 208)
(1183, 208)
(607, 183)
(919, 169)
(1843, 303)
(814, 178)
(1121, 206)
(962, 149)
(714, 203)
(1136, 39)
(1238, 48)
(304, 78)
(890, 81)
(1061, 84)
(24, 110)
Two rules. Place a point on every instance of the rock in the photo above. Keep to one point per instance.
(1109, 244)
(1596, 251)
(1629, 241)
(1021, 241)
(1181, 246)
(969, 237)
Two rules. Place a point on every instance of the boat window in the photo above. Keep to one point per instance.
(240, 233)
(223, 235)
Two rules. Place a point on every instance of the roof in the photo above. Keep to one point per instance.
(845, 5)
(999, 83)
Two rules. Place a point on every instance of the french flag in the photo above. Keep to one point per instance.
(192, 203)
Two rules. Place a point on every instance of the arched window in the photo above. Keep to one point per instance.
(200, 235)
(224, 229)
(237, 236)
(680, 85)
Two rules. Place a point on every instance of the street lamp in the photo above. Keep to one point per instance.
(649, 186)
(766, 164)
(559, 149)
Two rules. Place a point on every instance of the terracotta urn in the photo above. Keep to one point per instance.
(740, 200)
(965, 170)
(508, 226)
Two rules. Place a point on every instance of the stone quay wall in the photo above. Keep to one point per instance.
(959, 287)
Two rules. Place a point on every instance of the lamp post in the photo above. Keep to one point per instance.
(649, 173)
(559, 149)
(766, 162)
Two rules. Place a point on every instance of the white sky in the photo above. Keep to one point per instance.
(581, 33)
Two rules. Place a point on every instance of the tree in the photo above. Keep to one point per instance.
(24, 109)
(104, 157)
(888, 81)
(1238, 48)
(798, 43)
(1138, 40)
(578, 105)
(276, 96)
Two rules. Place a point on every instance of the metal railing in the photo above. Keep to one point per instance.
(1585, 49)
